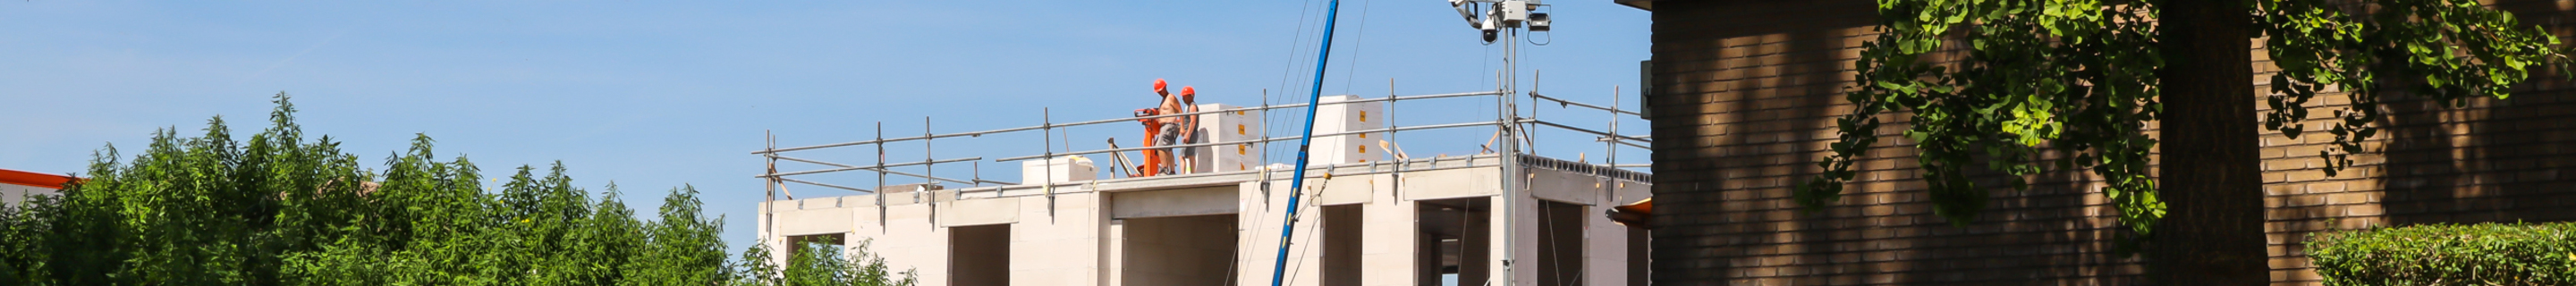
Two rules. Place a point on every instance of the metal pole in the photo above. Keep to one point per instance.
(1046, 128)
(1511, 154)
(1613, 147)
(880, 193)
(929, 169)
(1390, 107)
(1297, 182)
(1265, 134)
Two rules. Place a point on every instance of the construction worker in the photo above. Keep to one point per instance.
(1171, 131)
(1189, 127)
(1156, 160)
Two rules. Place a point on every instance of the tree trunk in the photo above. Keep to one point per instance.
(2212, 233)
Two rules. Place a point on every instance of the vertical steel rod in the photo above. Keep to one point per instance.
(1046, 129)
(1612, 147)
(929, 170)
(1512, 174)
(880, 193)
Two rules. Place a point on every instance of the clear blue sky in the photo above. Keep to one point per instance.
(652, 95)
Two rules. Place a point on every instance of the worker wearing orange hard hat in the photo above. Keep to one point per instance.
(1189, 127)
(1156, 159)
(1168, 131)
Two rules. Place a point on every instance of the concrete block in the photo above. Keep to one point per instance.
(1338, 118)
(1058, 169)
(1452, 183)
(1349, 189)
(980, 212)
(1180, 202)
(1238, 126)
(813, 221)
(1567, 187)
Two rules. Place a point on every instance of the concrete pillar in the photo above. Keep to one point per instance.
(1389, 244)
(1059, 243)
(906, 237)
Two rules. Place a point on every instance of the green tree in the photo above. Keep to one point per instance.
(283, 210)
(826, 264)
(682, 249)
(2086, 77)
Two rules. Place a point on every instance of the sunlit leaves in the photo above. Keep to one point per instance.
(1996, 84)
(2445, 50)
(284, 210)
(2039, 75)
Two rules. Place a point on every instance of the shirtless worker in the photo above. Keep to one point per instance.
(1153, 159)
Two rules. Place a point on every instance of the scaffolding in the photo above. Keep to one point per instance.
(1612, 140)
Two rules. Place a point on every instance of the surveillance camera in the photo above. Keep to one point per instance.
(1491, 25)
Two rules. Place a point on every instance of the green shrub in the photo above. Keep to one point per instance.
(2446, 254)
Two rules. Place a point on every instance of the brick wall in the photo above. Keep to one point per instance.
(1746, 92)
(2490, 161)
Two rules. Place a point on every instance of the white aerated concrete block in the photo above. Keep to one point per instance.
(1058, 170)
(1347, 117)
(1235, 126)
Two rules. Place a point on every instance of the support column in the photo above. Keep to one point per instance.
(1389, 243)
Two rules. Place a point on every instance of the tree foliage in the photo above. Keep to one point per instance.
(280, 209)
(2001, 83)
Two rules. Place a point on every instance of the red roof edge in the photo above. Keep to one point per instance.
(34, 179)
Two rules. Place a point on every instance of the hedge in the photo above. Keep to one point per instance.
(2448, 254)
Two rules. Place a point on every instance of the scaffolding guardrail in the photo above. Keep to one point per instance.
(883, 168)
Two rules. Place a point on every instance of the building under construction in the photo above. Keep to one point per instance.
(1353, 209)
(1372, 216)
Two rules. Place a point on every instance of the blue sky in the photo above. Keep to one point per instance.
(656, 94)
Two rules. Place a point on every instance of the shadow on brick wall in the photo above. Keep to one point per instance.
(1748, 92)
(2491, 160)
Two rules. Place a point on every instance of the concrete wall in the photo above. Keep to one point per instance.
(1195, 235)
(11, 194)
(1387, 245)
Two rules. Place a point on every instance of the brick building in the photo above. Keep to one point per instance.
(1743, 95)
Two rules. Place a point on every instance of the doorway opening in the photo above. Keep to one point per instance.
(1455, 241)
(979, 255)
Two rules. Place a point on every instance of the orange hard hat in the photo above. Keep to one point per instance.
(1189, 94)
(1158, 85)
